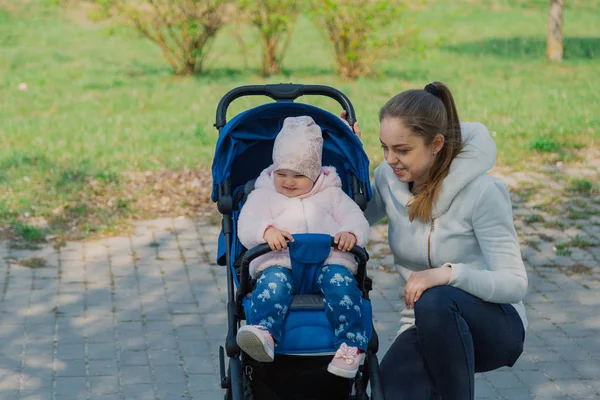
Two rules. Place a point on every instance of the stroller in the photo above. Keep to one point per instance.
(243, 150)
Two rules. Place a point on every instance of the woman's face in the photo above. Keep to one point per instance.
(292, 184)
(407, 154)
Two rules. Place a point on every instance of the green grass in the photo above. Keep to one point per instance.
(29, 233)
(581, 243)
(532, 218)
(563, 252)
(576, 241)
(554, 225)
(563, 248)
(100, 100)
(551, 207)
(581, 186)
(581, 214)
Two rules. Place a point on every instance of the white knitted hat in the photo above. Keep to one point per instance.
(299, 146)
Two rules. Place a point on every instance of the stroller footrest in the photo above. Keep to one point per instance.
(307, 302)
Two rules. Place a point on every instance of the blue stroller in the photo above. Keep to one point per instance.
(243, 150)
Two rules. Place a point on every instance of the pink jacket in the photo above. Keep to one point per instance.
(325, 209)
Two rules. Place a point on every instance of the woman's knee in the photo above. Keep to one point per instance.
(439, 299)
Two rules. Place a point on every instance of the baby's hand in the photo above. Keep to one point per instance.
(275, 238)
(345, 240)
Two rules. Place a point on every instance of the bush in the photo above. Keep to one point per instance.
(543, 144)
(355, 27)
(183, 29)
(275, 20)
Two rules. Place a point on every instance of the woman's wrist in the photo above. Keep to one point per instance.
(447, 268)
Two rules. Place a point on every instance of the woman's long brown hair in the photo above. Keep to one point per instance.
(425, 114)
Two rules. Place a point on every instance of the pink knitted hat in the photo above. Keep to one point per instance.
(299, 146)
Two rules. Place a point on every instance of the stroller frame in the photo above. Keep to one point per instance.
(234, 380)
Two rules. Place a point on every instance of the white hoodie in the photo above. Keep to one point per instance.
(472, 227)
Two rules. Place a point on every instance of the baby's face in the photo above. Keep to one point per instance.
(292, 184)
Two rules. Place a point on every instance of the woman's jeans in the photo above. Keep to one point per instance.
(274, 293)
(456, 335)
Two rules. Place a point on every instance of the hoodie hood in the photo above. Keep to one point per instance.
(477, 158)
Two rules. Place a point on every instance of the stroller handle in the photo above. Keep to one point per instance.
(262, 249)
(283, 92)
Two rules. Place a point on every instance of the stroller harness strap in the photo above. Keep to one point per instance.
(308, 251)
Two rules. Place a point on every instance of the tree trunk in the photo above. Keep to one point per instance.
(554, 45)
(271, 64)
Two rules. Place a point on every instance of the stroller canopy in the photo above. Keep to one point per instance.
(245, 145)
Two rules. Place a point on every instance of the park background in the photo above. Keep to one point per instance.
(108, 239)
(99, 129)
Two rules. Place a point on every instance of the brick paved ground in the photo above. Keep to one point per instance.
(142, 316)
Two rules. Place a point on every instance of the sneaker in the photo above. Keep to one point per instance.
(346, 361)
(257, 342)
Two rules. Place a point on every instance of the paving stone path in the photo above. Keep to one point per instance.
(142, 316)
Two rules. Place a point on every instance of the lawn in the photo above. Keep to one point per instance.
(93, 122)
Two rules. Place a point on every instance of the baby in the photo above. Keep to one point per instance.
(297, 195)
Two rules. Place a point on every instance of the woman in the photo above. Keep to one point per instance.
(454, 243)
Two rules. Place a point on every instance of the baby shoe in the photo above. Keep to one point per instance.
(346, 361)
(257, 342)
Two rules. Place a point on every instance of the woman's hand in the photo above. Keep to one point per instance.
(420, 281)
(275, 238)
(345, 240)
(355, 128)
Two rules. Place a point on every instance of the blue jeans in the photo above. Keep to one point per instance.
(274, 293)
(456, 335)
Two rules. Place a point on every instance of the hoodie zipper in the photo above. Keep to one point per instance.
(431, 229)
(304, 213)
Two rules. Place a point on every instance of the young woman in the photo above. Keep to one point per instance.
(454, 243)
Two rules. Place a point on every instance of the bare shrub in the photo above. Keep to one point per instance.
(183, 29)
(275, 20)
(354, 28)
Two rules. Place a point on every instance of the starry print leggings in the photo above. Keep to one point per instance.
(274, 293)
